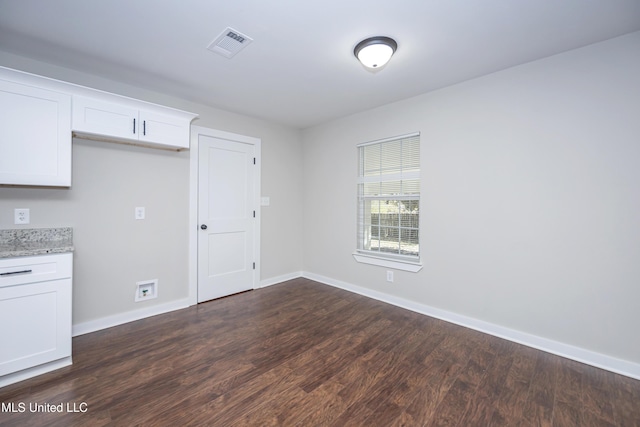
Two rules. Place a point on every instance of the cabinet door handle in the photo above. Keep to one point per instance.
(16, 272)
(134, 126)
(144, 127)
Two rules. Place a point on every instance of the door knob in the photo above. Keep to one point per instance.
(203, 226)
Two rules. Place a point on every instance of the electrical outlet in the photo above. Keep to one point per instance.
(389, 276)
(21, 216)
(140, 213)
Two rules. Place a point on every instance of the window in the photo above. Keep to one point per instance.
(389, 202)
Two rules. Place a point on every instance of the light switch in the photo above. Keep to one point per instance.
(140, 213)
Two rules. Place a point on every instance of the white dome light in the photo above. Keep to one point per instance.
(374, 52)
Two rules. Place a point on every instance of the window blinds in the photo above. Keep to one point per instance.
(388, 196)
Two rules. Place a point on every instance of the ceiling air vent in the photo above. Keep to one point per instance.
(229, 42)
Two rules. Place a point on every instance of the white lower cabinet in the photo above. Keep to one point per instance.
(35, 314)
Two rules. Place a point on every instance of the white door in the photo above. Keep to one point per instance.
(226, 217)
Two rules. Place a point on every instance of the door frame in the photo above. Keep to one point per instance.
(193, 202)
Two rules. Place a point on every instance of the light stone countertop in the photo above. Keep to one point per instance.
(35, 241)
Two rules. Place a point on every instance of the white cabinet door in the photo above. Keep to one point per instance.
(164, 130)
(35, 314)
(36, 324)
(35, 136)
(95, 117)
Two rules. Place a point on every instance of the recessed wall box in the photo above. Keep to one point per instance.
(147, 289)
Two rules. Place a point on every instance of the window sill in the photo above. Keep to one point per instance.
(397, 264)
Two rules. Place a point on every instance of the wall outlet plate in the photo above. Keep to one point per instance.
(140, 213)
(21, 216)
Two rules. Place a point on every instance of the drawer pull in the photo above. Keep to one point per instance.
(16, 272)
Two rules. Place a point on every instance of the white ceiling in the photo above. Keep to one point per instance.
(300, 69)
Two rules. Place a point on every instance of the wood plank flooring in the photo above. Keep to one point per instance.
(305, 354)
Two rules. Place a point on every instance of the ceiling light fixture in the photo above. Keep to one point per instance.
(374, 52)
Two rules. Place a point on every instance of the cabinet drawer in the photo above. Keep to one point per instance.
(18, 271)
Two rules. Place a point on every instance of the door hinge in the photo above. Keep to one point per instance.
(254, 265)
(254, 160)
(254, 214)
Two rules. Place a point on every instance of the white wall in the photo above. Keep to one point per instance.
(113, 250)
(530, 209)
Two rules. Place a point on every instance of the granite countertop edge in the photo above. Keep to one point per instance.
(33, 242)
(13, 253)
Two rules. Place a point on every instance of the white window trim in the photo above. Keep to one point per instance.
(387, 262)
(397, 262)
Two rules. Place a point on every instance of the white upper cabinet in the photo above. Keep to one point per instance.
(39, 116)
(165, 130)
(160, 126)
(91, 116)
(35, 136)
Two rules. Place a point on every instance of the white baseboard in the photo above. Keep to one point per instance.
(619, 366)
(130, 316)
(25, 374)
(279, 279)
(119, 319)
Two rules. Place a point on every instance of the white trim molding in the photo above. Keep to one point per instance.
(25, 374)
(399, 264)
(130, 316)
(609, 363)
(279, 279)
(619, 366)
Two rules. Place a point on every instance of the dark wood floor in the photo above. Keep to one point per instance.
(302, 353)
